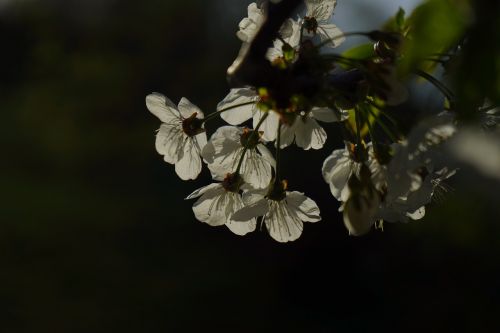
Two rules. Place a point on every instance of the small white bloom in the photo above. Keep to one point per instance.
(239, 115)
(283, 218)
(306, 131)
(224, 150)
(411, 205)
(216, 204)
(250, 25)
(319, 13)
(181, 136)
(359, 211)
(290, 33)
(489, 118)
(338, 168)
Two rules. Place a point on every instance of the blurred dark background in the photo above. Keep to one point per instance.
(95, 235)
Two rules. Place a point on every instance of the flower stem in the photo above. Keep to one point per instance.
(278, 147)
(216, 113)
(255, 132)
(436, 83)
(347, 34)
(382, 125)
(489, 108)
(358, 126)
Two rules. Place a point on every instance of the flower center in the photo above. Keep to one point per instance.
(311, 24)
(232, 182)
(192, 126)
(249, 139)
(277, 190)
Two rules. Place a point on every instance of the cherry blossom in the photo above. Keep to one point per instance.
(181, 136)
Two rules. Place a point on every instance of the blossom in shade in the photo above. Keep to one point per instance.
(305, 129)
(318, 15)
(239, 114)
(283, 215)
(224, 151)
(249, 26)
(218, 202)
(181, 136)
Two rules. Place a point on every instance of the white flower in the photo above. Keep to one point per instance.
(412, 204)
(359, 211)
(283, 218)
(224, 150)
(420, 151)
(181, 136)
(306, 130)
(337, 169)
(290, 33)
(317, 19)
(241, 114)
(478, 150)
(250, 25)
(489, 118)
(217, 203)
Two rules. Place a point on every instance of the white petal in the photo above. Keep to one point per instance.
(268, 126)
(201, 140)
(240, 114)
(287, 134)
(250, 25)
(162, 107)
(187, 109)
(331, 32)
(226, 139)
(307, 210)
(325, 115)
(283, 224)
(254, 12)
(337, 169)
(189, 166)
(210, 208)
(359, 214)
(309, 134)
(275, 51)
(239, 228)
(418, 214)
(252, 196)
(170, 142)
(208, 152)
(224, 150)
(266, 154)
(250, 212)
(203, 190)
(321, 10)
(256, 170)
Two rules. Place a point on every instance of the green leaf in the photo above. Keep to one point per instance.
(476, 73)
(361, 52)
(435, 26)
(397, 23)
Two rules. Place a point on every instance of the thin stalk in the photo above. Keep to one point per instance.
(347, 34)
(278, 148)
(255, 132)
(382, 125)
(358, 125)
(385, 114)
(216, 113)
(441, 87)
(488, 108)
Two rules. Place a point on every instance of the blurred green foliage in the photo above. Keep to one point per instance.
(436, 26)
(95, 235)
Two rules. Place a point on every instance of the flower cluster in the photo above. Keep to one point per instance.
(379, 174)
